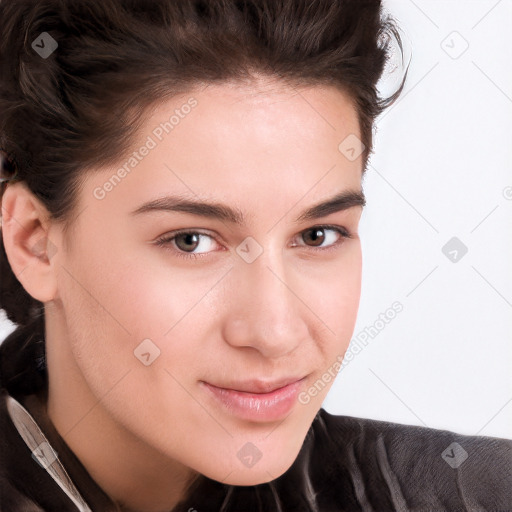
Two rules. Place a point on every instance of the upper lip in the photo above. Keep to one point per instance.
(258, 385)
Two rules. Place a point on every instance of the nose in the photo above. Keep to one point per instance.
(266, 310)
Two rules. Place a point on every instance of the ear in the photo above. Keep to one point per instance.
(25, 226)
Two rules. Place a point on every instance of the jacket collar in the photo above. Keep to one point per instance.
(43, 452)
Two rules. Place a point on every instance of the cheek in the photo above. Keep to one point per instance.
(123, 306)
(337, 307)
(335, 300)
(103, 292)
(337, 294)
(114, 304)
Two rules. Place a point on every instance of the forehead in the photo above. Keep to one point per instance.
(273, 103)
(244, 144)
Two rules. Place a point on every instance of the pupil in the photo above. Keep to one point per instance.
(190, 238)
(317, 237)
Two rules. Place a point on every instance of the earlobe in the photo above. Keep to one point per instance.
(25, 227)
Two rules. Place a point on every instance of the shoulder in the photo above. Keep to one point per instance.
(418, 466)
(413, 440)
(401, 434)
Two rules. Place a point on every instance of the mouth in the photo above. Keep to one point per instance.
(257, 400)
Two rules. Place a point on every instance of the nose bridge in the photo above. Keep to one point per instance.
(266, 313)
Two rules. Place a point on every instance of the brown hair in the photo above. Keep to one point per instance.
(64, 113)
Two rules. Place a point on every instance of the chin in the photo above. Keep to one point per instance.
(266, 465)
(259, 474)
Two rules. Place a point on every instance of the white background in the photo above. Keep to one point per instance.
(443, 158)
(441, 168)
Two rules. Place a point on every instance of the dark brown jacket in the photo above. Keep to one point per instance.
(346, 463)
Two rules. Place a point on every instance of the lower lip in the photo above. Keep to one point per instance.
(261, 407)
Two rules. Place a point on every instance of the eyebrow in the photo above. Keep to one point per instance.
(342, 201)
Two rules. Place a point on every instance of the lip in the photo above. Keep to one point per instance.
(257, 400)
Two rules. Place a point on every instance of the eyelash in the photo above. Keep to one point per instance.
(166, 240)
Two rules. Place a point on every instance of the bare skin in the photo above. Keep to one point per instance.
(145, 431)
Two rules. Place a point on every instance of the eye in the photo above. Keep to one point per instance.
(185, 244)
(317, 235)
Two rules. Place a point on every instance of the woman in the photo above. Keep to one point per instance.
(182, 198)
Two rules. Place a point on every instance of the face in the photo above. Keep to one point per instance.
(212, 334)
